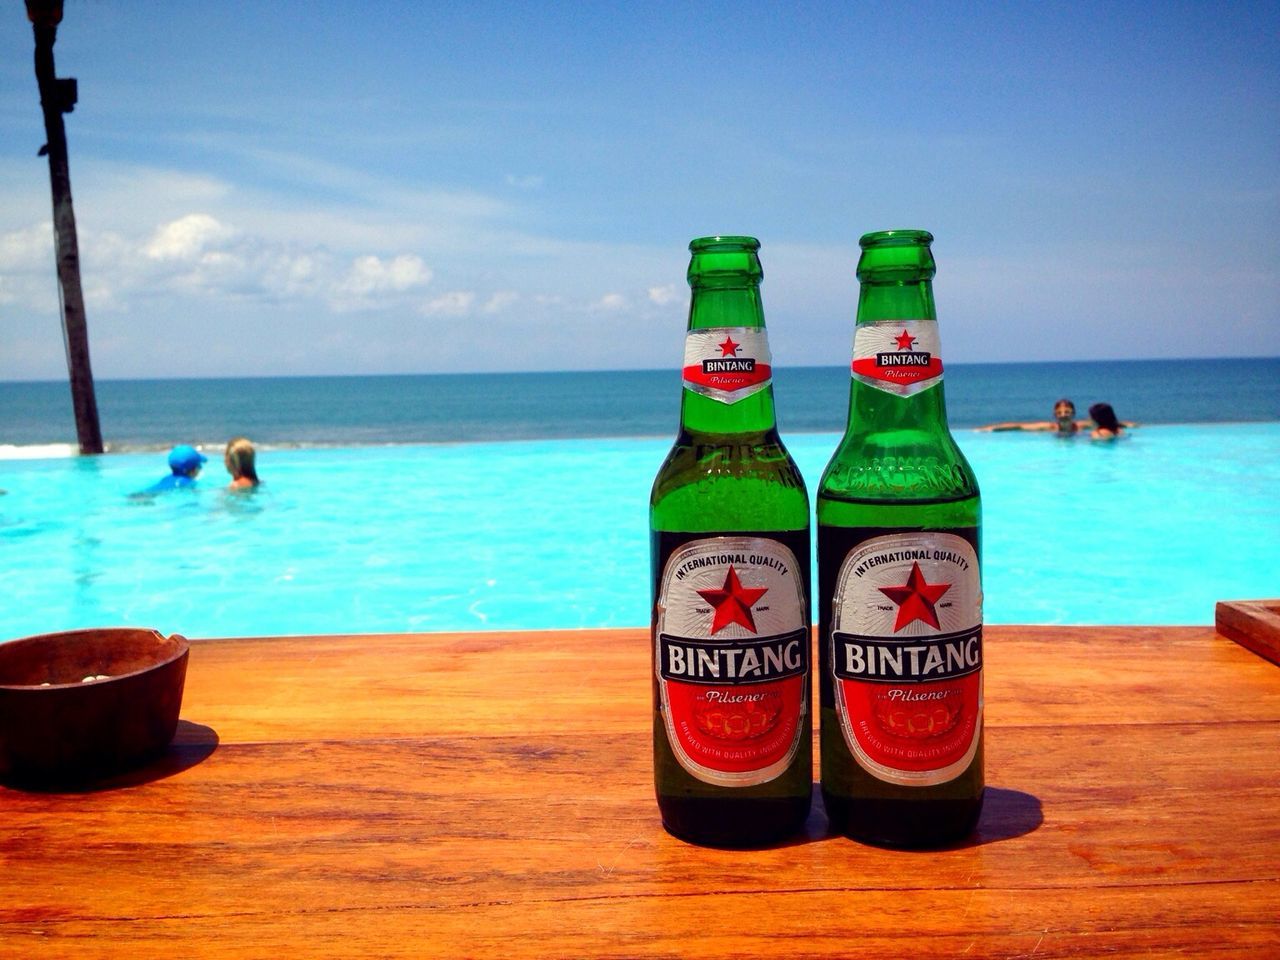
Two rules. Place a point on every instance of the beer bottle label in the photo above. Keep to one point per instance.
(731, 653)
(905, 648)
(727, 363)
(898, 356)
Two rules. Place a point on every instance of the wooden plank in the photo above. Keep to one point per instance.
(1138, 922)
(1090, 799)
(1254, 624)
(469, 684)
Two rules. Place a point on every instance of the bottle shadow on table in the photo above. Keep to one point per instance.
(1006, 814)
(192, 744)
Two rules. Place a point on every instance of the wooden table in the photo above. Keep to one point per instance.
(490, 795)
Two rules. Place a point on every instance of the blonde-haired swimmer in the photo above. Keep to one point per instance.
(239, 458)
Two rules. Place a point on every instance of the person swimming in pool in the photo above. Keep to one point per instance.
(1106, 426)
(184, 466)
(239, 460)
(1064, 422)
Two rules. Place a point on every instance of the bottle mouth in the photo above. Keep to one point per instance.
(725, 262)
(724, 244)
(895, 238)
(896, 256)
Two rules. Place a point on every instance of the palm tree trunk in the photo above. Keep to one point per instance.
(58, 97)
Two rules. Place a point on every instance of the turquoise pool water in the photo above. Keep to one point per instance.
(535, 535)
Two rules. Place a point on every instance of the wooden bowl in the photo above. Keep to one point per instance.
(58, 728)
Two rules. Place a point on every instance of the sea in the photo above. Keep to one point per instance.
(36, 419)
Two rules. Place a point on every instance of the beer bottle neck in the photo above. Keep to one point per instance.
(725, 275)
(897, 445)
(900, 300)
(896, 394)
(873, 410)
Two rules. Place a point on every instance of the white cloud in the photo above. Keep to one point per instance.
(294, 275)
(26, 266)
(500, 301)
(524, 182)
(369, 274)
(663, 295)
(371, 278)
(28, 249)
(188, 238)
(610, 301)
(455, 303)
(198, 255)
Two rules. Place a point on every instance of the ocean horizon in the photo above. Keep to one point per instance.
(356, 410)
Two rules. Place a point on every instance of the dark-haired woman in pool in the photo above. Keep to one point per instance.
(1105, 424)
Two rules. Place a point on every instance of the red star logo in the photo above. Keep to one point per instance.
(915, 599)
(729, 348)
(733, 603)
(905, 340)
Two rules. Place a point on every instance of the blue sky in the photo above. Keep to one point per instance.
(306, 188)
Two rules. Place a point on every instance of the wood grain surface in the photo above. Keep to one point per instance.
(491, 795)
(1254, 624)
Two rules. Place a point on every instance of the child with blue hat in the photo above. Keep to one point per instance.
(184, 463)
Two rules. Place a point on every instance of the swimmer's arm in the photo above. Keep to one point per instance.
(1002, 427)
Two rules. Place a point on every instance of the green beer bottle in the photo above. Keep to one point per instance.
(900, 587)
(729, 522)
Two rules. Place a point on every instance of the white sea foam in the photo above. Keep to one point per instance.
(37, 451)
